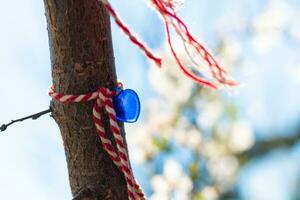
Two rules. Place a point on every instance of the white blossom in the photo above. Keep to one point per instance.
(230, 52)
(223, 169)
(241, 136)
(159, 196)
(209, 193)
(172, 182)
(160, 184)
(270, 24)
(169, 81)
(274, 17)
(172, 171)
(210, 114)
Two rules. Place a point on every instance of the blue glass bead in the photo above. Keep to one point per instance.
(127, 105)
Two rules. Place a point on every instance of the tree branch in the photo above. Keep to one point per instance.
(33, 117)
(82, 61)
(263, 147)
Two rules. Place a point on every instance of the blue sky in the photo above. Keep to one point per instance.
(33, 160)
(33, 163)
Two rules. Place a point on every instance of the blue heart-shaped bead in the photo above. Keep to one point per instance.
(127, 105)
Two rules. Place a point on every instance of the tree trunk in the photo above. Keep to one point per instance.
(82, 61)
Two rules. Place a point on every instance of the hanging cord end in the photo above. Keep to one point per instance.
(197, 54)
(158, 62)
(127, 31)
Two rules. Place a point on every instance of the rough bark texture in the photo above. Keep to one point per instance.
(82, 60)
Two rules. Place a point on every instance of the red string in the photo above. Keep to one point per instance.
(131, 36)
(218, 76)
(189, 73)
(166, 9)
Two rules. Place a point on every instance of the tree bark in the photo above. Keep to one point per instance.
(82, 61)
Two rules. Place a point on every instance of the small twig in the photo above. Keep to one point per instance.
(33, 117)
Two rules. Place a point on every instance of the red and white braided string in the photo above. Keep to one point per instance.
(166, 8)
(129, 33)
(119, 156)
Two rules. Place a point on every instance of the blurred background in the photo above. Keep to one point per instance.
(191, 143)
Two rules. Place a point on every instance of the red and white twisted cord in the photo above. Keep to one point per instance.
(217, 76)
(119, 156)
(129, 33)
